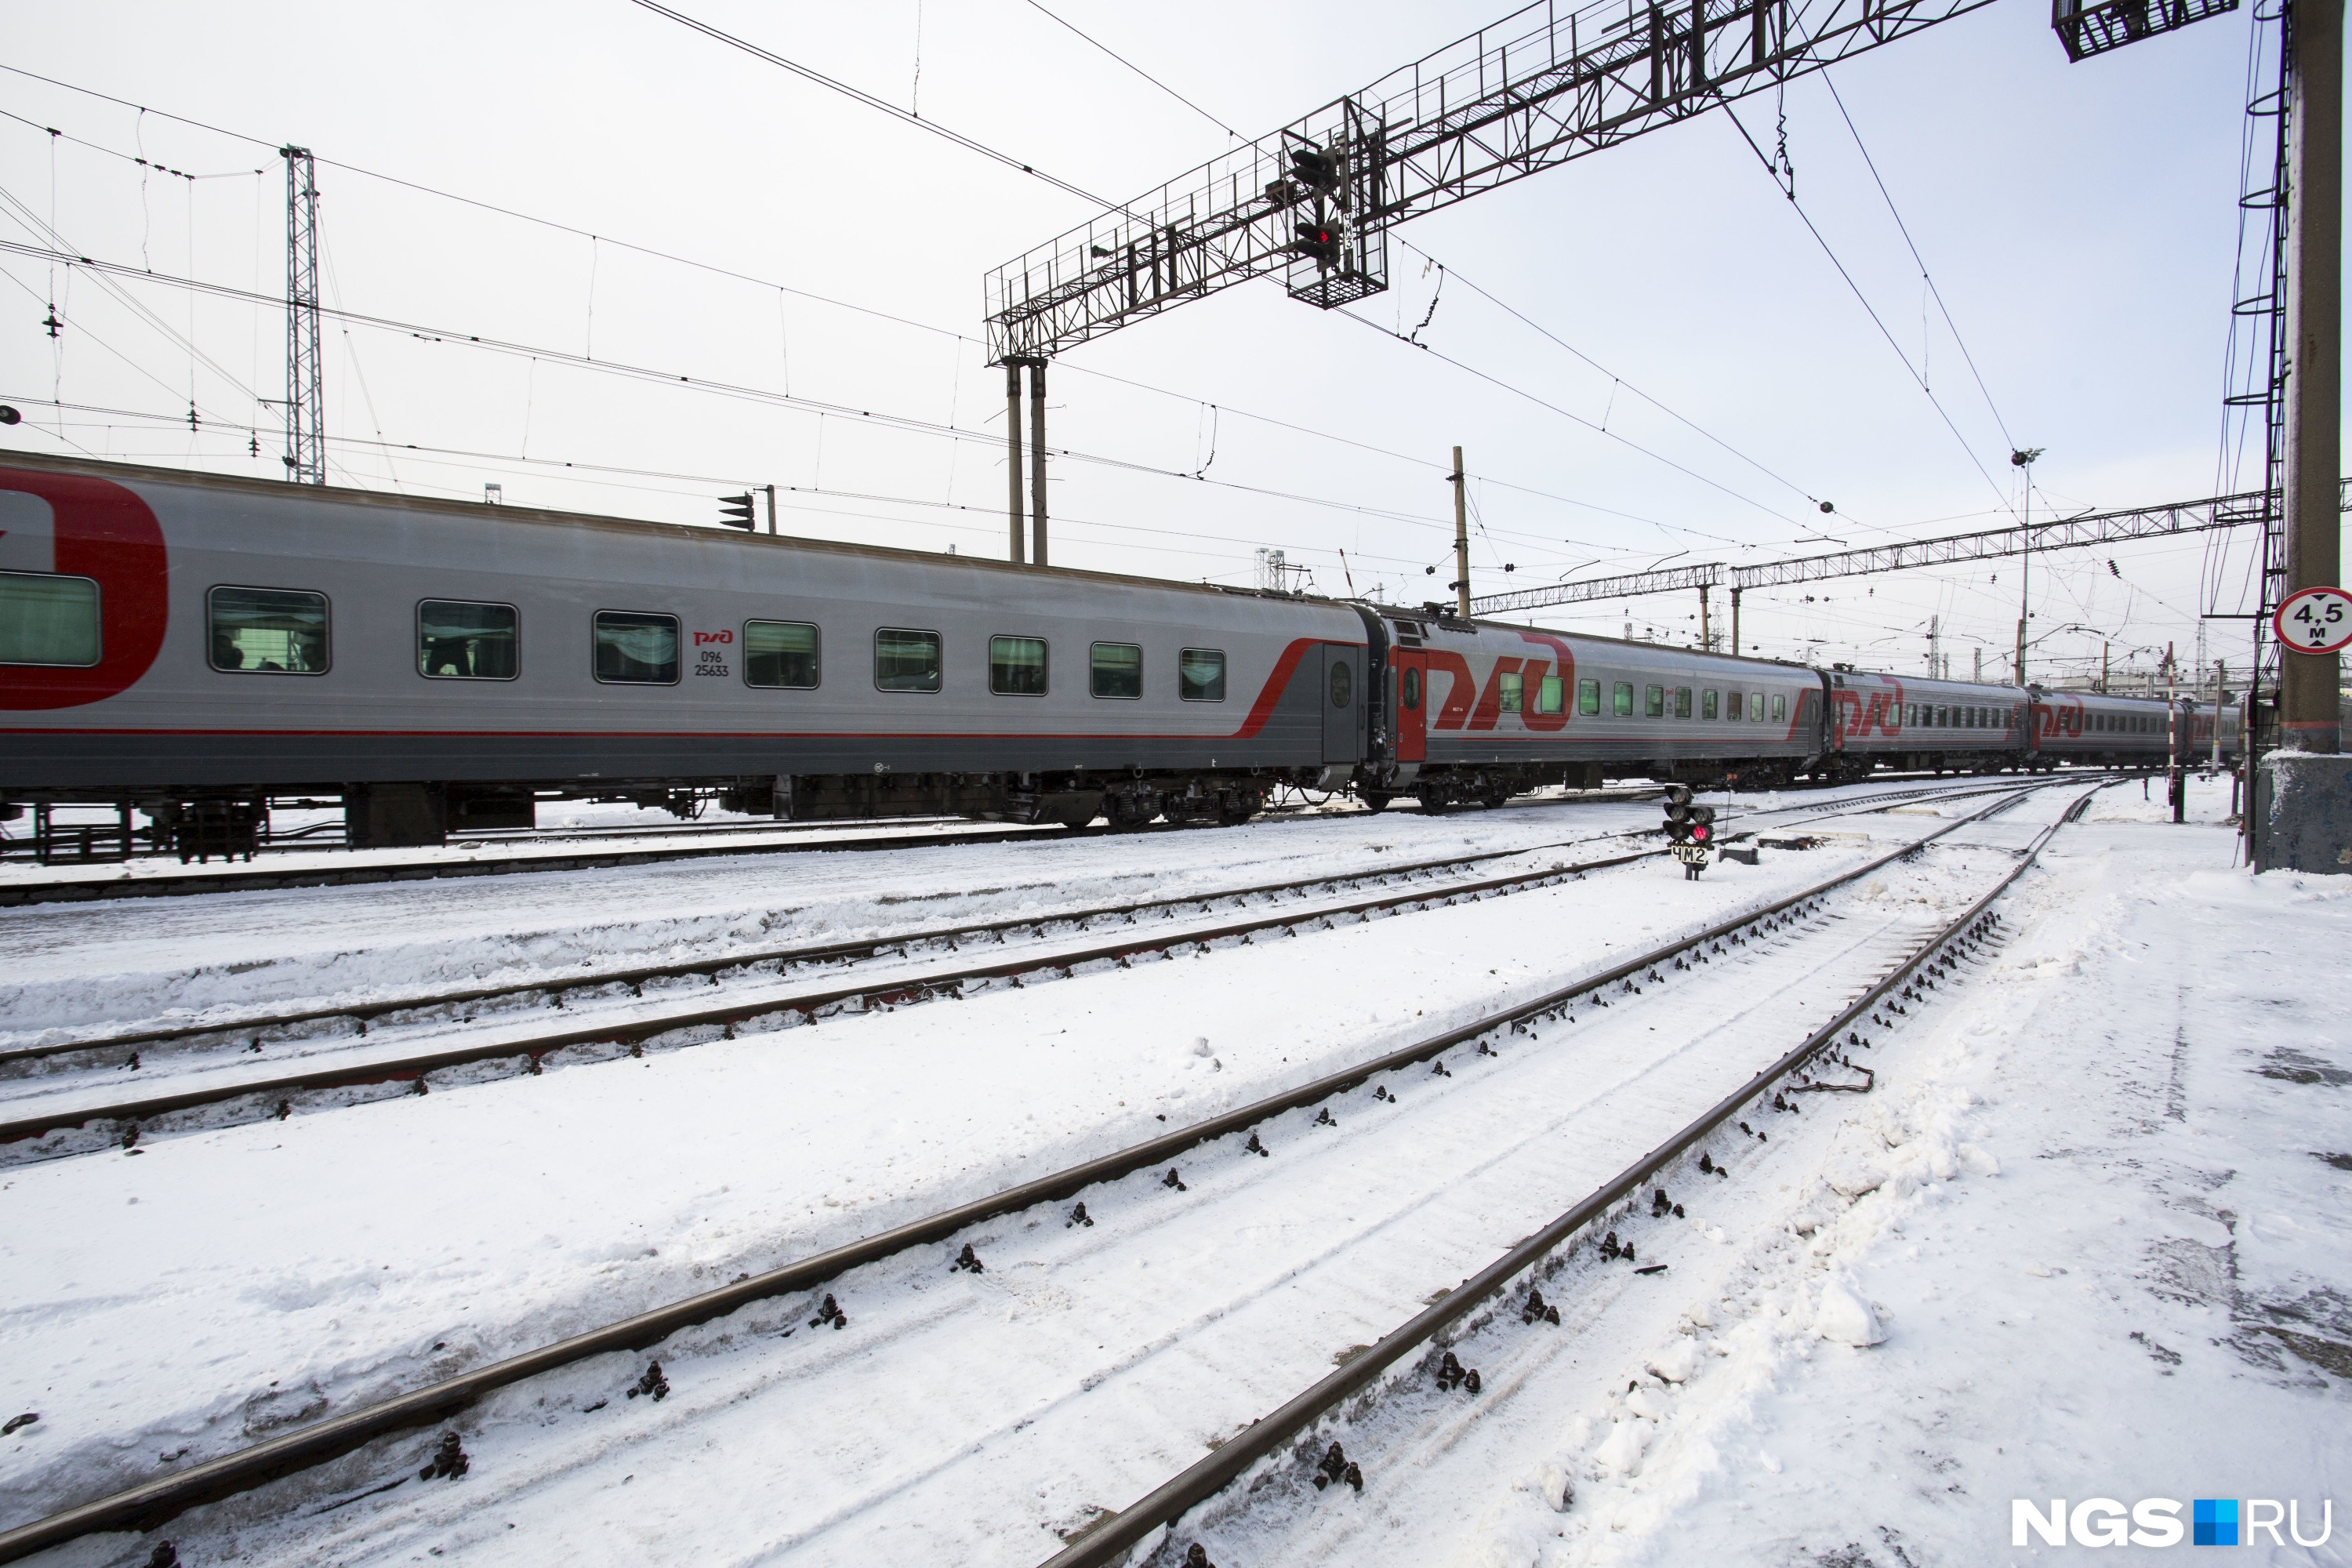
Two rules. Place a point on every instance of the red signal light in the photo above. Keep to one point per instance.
(1701, 832)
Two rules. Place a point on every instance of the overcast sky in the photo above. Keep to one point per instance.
(2079, 221)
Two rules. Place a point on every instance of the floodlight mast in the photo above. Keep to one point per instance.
(1314, 201)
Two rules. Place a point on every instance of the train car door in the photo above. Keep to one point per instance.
(1412, 667)
(1343, 696)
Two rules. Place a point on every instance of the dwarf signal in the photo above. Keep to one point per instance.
(1690, 830)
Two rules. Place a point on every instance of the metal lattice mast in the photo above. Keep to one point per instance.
(306, 441)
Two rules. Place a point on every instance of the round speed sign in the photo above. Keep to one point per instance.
(2314, 620)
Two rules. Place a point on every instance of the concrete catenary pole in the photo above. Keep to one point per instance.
(1037, 461)
(1017, 553)
(1461, 538)
(2309, 718)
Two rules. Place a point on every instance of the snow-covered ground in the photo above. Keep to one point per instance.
(230, 1284)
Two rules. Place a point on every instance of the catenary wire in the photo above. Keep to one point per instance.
(1139, 71)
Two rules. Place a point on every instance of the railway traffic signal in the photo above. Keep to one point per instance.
(735, 512)
(1319, 243)
(1315, 168)
(1690, 829)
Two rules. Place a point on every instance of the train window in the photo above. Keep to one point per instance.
(1588, 696)
(1653, 701)
(457, 640)
(275, 631)
(1016, 667)
(1756, 707)
(780, 654)
(1682, 702)
(1343, 683)
(905, 660)
(1201, 675)
(1779, 707)
(1621, 701)
(1118, 669)
(47, 619)
(1512, 686)
(1551, 695)
(637, 648)
(1734, 705)
(1707, 700)
(1409, 691)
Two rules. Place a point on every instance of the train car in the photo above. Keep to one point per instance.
(2087, 728)
(192, 646)
(1925, 726)
(1479, 710)
(2199, 721)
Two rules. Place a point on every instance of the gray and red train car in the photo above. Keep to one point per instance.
(193, 646)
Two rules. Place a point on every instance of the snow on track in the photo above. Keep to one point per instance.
(2095, 1209)
(74, 967)
(327, 1256)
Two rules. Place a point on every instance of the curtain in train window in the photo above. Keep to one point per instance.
(1653, 701)
(1551, 695)
(1201, 675)
(1118, 669)
(780, 654)
(273, 631)
(1779, 707)
(1682, 702)
(1756, 707)
(905, 660)
(1706, 704)
(1734, 705)
(1588, 697)
(1513, 686)
(457, 640)
(1622, 700)
(47, 619)
(634, 647)
(1016, 667)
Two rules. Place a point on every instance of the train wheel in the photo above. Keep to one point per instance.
(1238, 807)
(1375, 801)
(1432, 800)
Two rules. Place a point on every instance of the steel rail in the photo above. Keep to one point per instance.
(15, 895)
(145, 1506)
(252, 1024)
(781, 956)
(636, 1032)
(1165, 1506)
(127, 1115)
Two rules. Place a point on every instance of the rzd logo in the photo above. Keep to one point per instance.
(2155, 1522)
(103, 531)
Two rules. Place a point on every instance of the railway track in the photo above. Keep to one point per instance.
(227, 1086)
(1713, 974)
(808, 837)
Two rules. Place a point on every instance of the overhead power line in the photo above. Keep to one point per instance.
(869, 101)
(1139, 71)
(727, 389)
(716, 269)
(1925, 276)
(1802, 216)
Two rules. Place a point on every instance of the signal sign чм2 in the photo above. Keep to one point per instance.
(2314, 620)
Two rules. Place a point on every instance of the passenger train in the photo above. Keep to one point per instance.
(193, 646)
